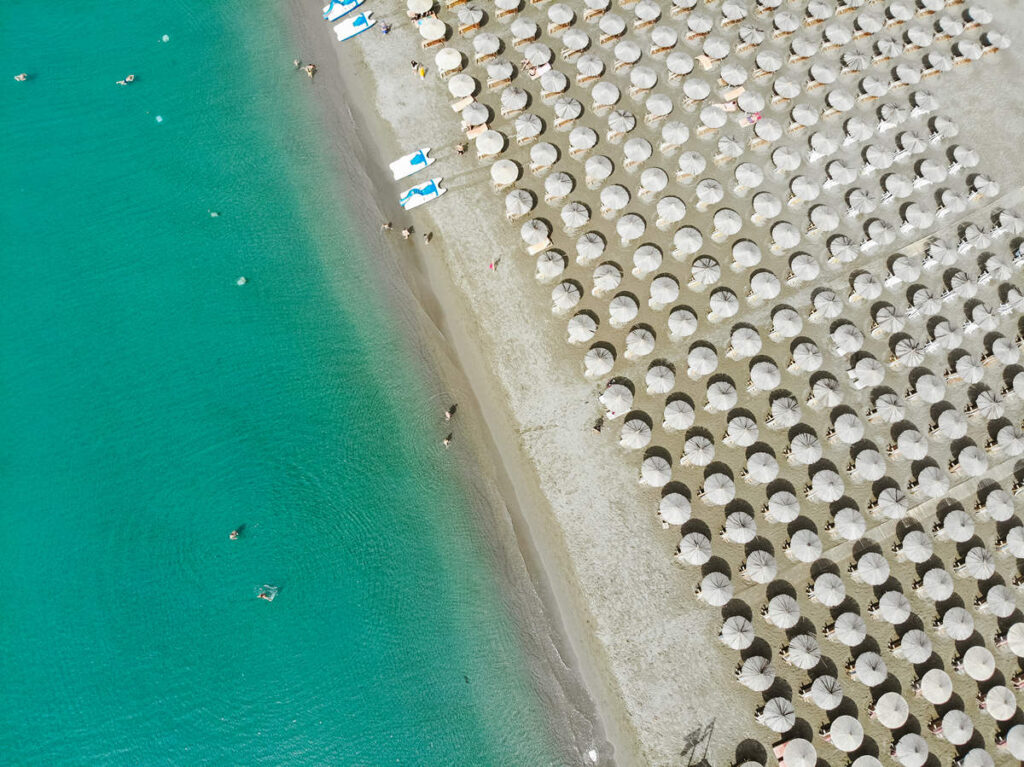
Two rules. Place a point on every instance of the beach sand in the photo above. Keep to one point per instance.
(641, 676)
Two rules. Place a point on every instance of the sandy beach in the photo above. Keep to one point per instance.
(639, 673)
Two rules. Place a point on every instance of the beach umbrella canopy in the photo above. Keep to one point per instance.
(915, 646)
(691, 163)
(778, 715)
(847, 338)
(846, 733)
(973, 461)
(1000, 703)
(872, 569)
(756, 673)
(543, 155)
(957, 526)
(930, 388)
(432, 28)
(827, 303)
(664, 290)
(848, 428)
(911, 751)
(607, 277)
(462, 85)
(979, 563)
(760, 567)
(917, 546)
(489, 142)
(766, 205)
(528, 126)
(656, 472)
(744, 341)
(869, 669)
(957, 727)
(767, 130)
(558, 185)
(619, 121)
(804, 546)
(1015, 741)
(727, 222)
(695, 549)
(660, 379)
(978, 663)
(679, 415)
(737, 632)
(682, 323)
(805, 449)
(849, 524)
(783, 611)
(698, 450)
(785, 412)
(999, 505)
(803, 652)
(826, 486)
(565, 296)
(891, 710)
(799, 753)
(604, 94)
(977, 757)
(912, 445)
(850, 629)
(826, 692)
(589, 247)
(617, 399)
(639, 343)
(652, 181)
(723, 303)
(581, 328)
(598, 361)
(741, 431)
(716, 589)
(999, 600)
(829, 590)
(534, 231)
(783, 507)
(518, 202)
(635, 434)
(550, 264)
(761, 468)
(937, 584)
(935, 686)
(764, 375)
(574, 215)
(597, 168)
(718, 490)
(786, 322)
(582, 138)
(670, 210)
(630, 227)
(861, 201)
(701, 361)
(739, 526)
(551, 82)
(504, 172)
(894, 607)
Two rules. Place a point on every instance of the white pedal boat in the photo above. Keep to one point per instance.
(356, 25)
(339, 8)
(412, 162)
(422, 193)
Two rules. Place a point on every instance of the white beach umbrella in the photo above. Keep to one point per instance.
(848, 629)
(664, 290)
(617, 400)
(462, 85)
(741, 431)
(550, 265)
(766, 206)
(846, 733)
(782, 507)
(825, 486)
(679, 415)
(756, 673)
(534, 231)
(761, 468)
(670, 210)
(998, 505)
(978, 563)
(764, 285)
(978, 663)
(695, 549)
(893, 607)
(682, 323)
(1000, 703)
(828, 589)
(716, 589)
(891, 710)
(598, 361)
(956, 526)
(872, 569)
(718, 489)
(607, 277)
(869, 669)
(802, 652)
(701, 361)
(589, 247)
(786, 323)
(565, 296)
(846, 428)
(604, 94)
(782, 611)
(956, 727)
(630, 227)
(656, 472)
(935, 686)
(936, 585)
(803, 546)
(489, 143)
(698, 450)
(723, 304)
(622, 310)
(957, 624)
(737, 632)
(504, 172)
(914, 646)
(778, 715)
(826, 692)
(999, 600)
(635, 434)
(849, 524)
(739, 526)
(916, 546)
(691, 164)
(1015, 639)
(581, 328)
(911, 750)
(659, 379)
(597, 168)
(760, 567)
(764, 376)
(542, 156)
(518, 202)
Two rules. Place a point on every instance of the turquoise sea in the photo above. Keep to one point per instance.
(149, 405)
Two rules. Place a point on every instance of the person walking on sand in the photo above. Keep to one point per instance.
(415, 66)
(428, 236)
(406, 233)
(460, 149)
(311, 70)
(386, 226)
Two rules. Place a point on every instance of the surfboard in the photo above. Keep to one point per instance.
(339, 8)
(412, 162)
(354, 26)
(421, 193)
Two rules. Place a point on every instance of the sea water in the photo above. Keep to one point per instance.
(149, 405)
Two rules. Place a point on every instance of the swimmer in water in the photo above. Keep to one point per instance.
(214, 214)
(447, 440)
(22, 77)
(450, 412)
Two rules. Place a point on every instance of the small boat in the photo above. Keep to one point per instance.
(412, 162)
(339, 8)
(356, 25)
(422, 193)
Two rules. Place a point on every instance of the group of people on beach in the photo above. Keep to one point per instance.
(407, 232)
(309, 69)
(448, 414)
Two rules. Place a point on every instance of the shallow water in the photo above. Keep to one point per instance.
(151, 405)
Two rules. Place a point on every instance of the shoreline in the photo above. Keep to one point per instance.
(437, 319)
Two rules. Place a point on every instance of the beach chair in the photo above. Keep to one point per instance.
(467, 28)
(428, 44)
(593, 13)
(539, 247)
(519, 42)
(449, 4)
(537, 72)
(639, 26)
(465, 101)
(475, 131)
(609, 39)
(495, 84)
